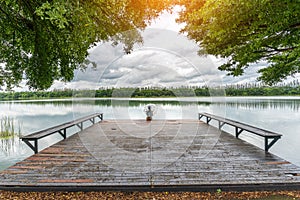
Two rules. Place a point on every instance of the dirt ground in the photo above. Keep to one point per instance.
(278, 195)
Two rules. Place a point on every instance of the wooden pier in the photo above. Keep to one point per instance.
(172, 155)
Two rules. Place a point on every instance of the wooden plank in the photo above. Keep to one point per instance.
(270, 137)
(54, 129)
(61, 129)
(66, 181)
(250, 128)
(278, 163)
(211, 159)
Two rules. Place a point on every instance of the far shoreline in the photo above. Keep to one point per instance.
(152, 98)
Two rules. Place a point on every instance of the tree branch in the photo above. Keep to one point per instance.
(281, 49)
(297, 25)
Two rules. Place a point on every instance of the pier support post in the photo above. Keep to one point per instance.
(269, 145)
(34, 147)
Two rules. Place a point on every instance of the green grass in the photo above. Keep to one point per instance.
(7, 128)
(9, 136)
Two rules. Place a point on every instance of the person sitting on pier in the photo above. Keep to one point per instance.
(149, 112)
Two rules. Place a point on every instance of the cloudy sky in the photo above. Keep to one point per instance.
(166, 58)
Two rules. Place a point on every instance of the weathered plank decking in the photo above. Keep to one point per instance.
(161, 155)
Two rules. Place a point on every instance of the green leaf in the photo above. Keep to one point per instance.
(247, 32)
(43, 41)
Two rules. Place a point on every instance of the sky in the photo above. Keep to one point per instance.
(166, 58)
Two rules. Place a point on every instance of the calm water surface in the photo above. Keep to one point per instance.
(279, 114)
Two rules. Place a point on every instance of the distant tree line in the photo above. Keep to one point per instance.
(236, 90)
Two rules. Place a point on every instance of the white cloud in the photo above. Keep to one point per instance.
(167, 21)
(166, 58)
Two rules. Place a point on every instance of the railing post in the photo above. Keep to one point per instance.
(269, 145)
(236, 132)
(266, 144)
(208, 119)
(36, 146)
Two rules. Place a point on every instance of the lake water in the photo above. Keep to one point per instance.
(278, 114)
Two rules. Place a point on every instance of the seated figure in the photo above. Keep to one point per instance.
(149, 112)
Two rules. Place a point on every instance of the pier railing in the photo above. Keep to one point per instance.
(32, 139)
(240, 127)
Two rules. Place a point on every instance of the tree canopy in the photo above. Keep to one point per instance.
(42, 41)
(245, 32)
(45, 40)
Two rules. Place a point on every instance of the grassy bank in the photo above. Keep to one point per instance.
(7, 128)
(9, 135)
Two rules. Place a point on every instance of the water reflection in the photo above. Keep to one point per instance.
(10, 146)
(260, 104)
(292, 103)
(278, 114)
